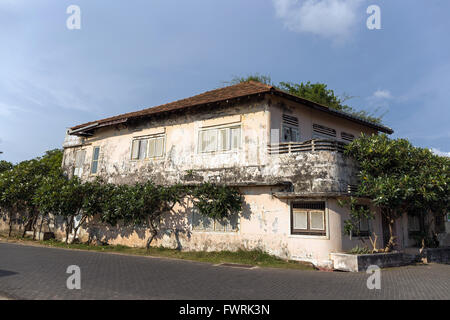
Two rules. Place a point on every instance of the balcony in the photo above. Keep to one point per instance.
(307, 146)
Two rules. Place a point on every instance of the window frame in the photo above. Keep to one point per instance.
(309, 231)
(95, 160)
(421, 222)
(214, 223)
(291, 127)
(79, 175)
(317, 134)
(148, 139)
(347, 137)
(363, 233)
(290, 122)
(218, 145)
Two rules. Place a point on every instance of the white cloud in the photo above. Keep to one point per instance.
(440, 153)
(328, 18)
(382, 94)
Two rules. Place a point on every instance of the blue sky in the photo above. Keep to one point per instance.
(134, 54)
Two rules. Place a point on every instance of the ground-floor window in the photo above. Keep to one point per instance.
(203, 223)
(415, 224)
(308, 218)
(363, 224)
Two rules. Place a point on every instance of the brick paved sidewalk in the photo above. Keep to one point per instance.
(31, 272)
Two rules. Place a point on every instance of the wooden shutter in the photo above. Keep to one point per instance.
(135, 150)
(143, 149)
(235, 138)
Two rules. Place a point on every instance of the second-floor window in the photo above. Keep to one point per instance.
(322, 132)
(290, 133)
(347, 136)
(150, 147)
(79, 163)
(95, 158)
(219, 139)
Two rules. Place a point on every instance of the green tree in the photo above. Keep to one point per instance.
(400, 178)
(141, 205)
(146, 204)
(216, 201)
(71, 199)
(18, 187)
(5, 166)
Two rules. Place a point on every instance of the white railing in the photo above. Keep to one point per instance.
(307, 146)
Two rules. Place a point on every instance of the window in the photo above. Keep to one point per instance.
(308, 218)
(156, 147)
(219, 139)
(347, 136)
(95, 157)
(439, 223)
(363, 225)
(152, 147)
(322, 132)
(414, 223)
(291, 133)
(79, 162)
(203, 223)
(139, 149)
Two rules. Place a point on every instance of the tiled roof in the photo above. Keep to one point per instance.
(217, 95)
(239, 90)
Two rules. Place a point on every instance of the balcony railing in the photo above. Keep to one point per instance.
(307, 146)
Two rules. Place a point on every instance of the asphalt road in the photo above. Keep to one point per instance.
(31, 272)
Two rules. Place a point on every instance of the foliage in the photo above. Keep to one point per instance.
(252, 77)
(19, 185)
(38, 188)
(217, 201)
(357, 213)
(145, 204)
(319, 93)
(5, 166)
(61, 196)
(316, 92)
(360, 250)
(401, 178)
(424, 239)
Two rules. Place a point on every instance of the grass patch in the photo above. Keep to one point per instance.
(253, 257)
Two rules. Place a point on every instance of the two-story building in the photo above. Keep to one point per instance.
(282, 151)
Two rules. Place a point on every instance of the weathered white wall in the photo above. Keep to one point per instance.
(265, 221)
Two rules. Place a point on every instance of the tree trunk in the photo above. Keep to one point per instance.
(154, 232)
(69, 224)
(10, 224)
(75, 229)
(33, 226)
(150, 239)
(391, 242)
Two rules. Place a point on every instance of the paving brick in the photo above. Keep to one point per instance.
(30, 272)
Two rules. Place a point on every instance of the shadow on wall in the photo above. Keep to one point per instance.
(175, 230)
(174, 233)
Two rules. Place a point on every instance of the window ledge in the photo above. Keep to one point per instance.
(305, 236)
